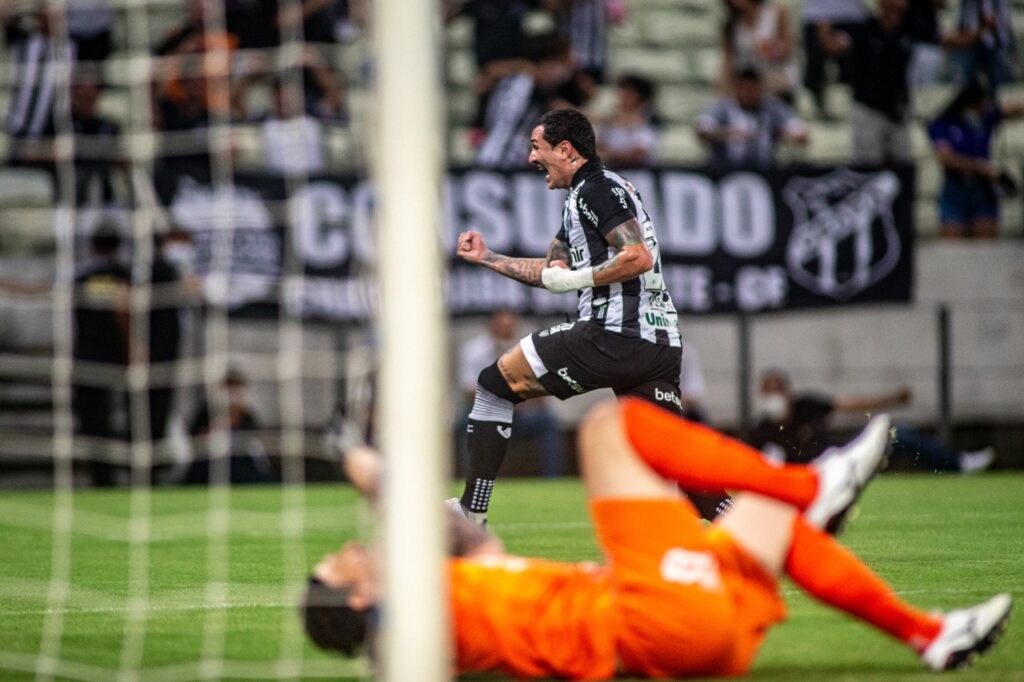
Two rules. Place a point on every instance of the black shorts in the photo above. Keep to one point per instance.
(578, 357)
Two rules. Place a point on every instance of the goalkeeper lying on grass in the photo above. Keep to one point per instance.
(675, 598)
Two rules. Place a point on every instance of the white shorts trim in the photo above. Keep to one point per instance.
(530, 351)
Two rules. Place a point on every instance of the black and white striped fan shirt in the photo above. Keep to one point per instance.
(511, 112)
(598, 202)
(35, 58)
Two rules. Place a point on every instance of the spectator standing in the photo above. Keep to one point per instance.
(97, 142)
(743, 130)
(35, 52)
(584, 24)
(172, 291)
(524, 90)
(534, 419)
(630, 138)
(819, 18)
(793, 427)
(101, 336)
(880, 50)
(984, 46)
(962, 137)
(758, 34)
(499, 35)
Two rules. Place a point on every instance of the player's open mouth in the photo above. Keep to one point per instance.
(540, 167)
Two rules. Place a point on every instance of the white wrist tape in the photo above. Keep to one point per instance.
(560, 280)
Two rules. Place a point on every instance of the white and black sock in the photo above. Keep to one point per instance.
(490, 427)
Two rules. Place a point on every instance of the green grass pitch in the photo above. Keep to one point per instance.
(942, 541)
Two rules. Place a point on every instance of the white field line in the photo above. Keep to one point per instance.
(185, 672)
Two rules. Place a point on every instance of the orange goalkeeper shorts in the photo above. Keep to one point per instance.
(688, 600)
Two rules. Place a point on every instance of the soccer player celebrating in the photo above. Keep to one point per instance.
(675, 598)
(626, 337)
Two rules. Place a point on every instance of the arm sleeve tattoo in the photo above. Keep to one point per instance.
(527, 270)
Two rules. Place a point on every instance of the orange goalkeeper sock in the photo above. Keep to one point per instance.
(834, 575)
(701, 459)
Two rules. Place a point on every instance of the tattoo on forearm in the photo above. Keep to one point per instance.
(525, 270)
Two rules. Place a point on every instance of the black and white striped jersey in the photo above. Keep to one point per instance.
(35, 60)
(511, 113)
(598, 202)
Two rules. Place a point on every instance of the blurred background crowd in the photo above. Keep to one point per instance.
(120, 90)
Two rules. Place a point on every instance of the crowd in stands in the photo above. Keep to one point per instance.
(219, 64)
(884, 51)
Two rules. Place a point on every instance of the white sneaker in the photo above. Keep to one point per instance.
(844, 471)
(455, 505)
(972, 462)
(967, 633)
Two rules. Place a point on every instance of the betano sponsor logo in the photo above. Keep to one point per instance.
(668, 397)
(573, 384)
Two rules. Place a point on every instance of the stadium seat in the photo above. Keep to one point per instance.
(626, 34)
(460, 151)
(26, 229)
(830, 142)
(926, 218)
(663, 65)
(26, 188)
(920, 143)
(459, 33)
(929, 101)
(1012, 218)
(461, 68)
(707, 65)
(679, 144)
(677, 29)
(1011, 139)
(839, 99)
(681, 104)
(929, 178)
(461, 106)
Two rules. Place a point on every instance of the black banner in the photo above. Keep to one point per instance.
(740, 241)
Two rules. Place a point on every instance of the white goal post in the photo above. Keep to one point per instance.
(407, 171)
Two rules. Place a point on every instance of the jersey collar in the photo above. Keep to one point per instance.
(591, 168)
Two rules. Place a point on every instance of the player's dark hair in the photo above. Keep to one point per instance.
(546, 46)
(106, 240)
(972, 94)
(643, 87)
(748, 73)
(331, 623)
(571, 126)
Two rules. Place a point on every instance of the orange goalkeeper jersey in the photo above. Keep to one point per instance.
(533, 618)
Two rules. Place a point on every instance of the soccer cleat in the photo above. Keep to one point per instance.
(843, 472)
(968, 633)
(454, 504)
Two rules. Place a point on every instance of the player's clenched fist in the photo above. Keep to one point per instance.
(471, 247)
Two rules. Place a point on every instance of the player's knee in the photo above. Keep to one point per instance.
(491, 380)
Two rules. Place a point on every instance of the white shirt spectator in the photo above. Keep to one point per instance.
(293, 146)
